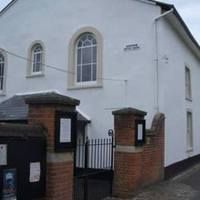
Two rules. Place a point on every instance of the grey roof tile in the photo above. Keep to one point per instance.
(16, 109)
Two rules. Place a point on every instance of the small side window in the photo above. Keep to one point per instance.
(36, 60)
(37, 54)
(2, 73)
(188, 87)
(189, 131)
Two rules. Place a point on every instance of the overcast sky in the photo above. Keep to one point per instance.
(189, 10)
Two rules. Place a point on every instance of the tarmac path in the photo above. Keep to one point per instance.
(183, 187)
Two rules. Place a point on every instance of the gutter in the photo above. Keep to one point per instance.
(164, 14)
(168, 7)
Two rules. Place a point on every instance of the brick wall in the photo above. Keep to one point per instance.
(60, 184)
(60, 170)
(44, 115)
(136, 167)
(59, 165)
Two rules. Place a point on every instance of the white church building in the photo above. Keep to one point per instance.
(109, 54)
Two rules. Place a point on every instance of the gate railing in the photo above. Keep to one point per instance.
(93, 168)
(95, 154)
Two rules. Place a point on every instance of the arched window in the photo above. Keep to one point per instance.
(86, 58)
(37, 59)
(2, 72)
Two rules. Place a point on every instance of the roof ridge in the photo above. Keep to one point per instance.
(7, 7)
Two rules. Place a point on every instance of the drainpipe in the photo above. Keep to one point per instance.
(157, 56)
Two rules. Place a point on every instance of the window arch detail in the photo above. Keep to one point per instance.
(85, 59)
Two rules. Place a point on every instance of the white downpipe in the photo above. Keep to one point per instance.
(157, 57)
(164, 14)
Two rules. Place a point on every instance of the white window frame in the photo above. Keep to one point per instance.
(188, 84)
(189, 129)
(30, 63)
(85, 83)
(33, 62)
(72, 82)
(3, 82)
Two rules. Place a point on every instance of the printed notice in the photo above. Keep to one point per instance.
(3, 154)
(65, 130)
(140, 132)
(35, 172)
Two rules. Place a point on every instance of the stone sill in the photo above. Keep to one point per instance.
(35, 75)
(189, 150)
(85, 87)
(3, 94)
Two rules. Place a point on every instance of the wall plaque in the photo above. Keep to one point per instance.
(131, 47)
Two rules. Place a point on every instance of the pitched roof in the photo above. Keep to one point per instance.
(21, 130)
(16, 109)
(50, 98)
(129, 110)
(166, 6)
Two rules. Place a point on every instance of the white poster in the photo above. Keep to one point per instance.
(65, 130)
(35, 172)
(3, 154)
(140, 132)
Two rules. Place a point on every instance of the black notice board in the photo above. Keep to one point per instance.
(140, 132)
(21, 152)
(68, 120)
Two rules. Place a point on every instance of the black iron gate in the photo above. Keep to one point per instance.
(93, 169)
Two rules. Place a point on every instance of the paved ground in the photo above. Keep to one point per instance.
(183, 187)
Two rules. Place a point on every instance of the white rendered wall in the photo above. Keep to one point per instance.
(121, 22)
(172, 93)
(55, 24)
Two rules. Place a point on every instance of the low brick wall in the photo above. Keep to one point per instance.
(60, 184)
(136, 167)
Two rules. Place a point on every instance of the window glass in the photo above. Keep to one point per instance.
(188, 89)
(189, 131)
(86, 58)
(37, 54)
(86, 73)
(2, 69)
(94, 74)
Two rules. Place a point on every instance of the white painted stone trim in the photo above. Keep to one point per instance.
(128, 149)
(60, 157)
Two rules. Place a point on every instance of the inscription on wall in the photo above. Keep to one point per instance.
(131, 47)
